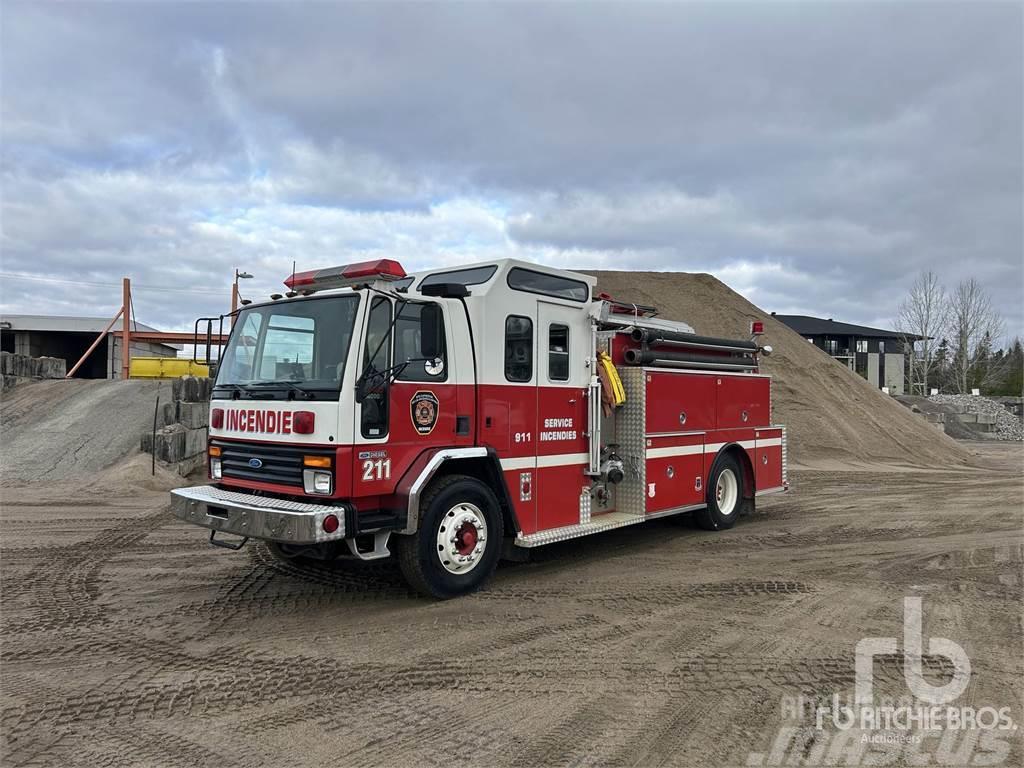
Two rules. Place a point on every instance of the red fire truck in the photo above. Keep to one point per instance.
(456, 415)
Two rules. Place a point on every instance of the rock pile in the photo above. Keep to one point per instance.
(1003, 425)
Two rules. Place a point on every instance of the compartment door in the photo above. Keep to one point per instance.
(743, 401)
(674, 472)
(768, 459)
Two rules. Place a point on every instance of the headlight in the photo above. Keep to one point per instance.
(215, 469)
(317, 481)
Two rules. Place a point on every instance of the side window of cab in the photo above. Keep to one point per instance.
(376, 355)
(518, 348)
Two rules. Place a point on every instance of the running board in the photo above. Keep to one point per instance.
(606, 522)
(380, 547)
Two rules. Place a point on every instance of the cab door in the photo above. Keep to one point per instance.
(563, 346)
(509, 413)
(419, 410)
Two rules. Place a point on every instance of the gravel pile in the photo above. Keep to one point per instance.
(1006, 425)
(70, 429)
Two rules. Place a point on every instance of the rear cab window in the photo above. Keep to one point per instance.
(548, 285)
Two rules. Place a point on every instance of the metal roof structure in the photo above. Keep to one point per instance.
(65, 324)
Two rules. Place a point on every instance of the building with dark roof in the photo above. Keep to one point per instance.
(70, 337)
(880, 356)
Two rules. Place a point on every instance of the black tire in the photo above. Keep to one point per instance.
(418, 555)
(713, 517)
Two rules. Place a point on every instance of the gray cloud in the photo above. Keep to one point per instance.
(816, 156)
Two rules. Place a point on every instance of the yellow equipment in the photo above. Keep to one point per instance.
(612, 392)
(165, 368)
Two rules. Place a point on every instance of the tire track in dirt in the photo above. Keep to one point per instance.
(574, 732)
(237, 683)
(63, 593)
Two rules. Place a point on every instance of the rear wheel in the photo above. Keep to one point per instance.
(458, 540)
(724, 496)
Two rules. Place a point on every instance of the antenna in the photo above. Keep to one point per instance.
(293, 271)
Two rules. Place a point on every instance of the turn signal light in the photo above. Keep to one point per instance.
(302, 422)
(215, 450)
(317, 461)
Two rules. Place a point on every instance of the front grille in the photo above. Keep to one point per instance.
(281, 464)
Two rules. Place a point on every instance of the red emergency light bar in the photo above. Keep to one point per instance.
(345, 275)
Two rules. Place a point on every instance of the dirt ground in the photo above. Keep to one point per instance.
(127, 640)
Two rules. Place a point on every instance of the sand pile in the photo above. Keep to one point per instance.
(832, 415)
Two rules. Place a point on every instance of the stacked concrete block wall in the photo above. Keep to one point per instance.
(16, 368)
(182, 426)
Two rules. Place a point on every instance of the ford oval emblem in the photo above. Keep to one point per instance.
(255, 463)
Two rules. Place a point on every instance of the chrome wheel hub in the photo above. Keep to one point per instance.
(461, 538)
(727, 492)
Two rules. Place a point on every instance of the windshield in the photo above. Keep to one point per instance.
(295, 346)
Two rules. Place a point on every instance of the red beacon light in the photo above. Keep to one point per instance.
(756, 327)
(345, 276)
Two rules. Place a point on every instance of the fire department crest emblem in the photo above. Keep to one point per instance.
(424, 411)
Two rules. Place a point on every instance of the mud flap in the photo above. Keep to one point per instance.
(227, 544)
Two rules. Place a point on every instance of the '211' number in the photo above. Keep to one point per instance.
(376, 470)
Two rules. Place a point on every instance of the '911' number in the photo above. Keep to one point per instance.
(379, 469)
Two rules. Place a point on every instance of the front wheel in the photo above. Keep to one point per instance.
(724, 496)
(458, 540)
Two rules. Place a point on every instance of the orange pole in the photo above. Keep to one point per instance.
(99, 338)
(126, 336)
(234, 299)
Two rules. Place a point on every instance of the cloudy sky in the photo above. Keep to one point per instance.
(814, 156)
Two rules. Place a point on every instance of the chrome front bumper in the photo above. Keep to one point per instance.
(258, 517)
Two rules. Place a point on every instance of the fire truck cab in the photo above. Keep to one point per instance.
(450, 415)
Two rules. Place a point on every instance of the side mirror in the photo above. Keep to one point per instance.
(370, 385)
(430, 331)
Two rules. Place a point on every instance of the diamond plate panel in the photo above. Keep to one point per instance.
(785, 458)
(585, 507)
(602, 523)
(630, 424)
(215, 495)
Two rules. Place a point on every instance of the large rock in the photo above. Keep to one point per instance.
(32, 367)
(175, 443)
(192, 415)
(167, 444)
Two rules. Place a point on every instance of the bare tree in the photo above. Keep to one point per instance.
(924, 314)
(974, 323)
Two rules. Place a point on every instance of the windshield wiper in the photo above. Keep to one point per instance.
(289, 384)
(235, 388)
